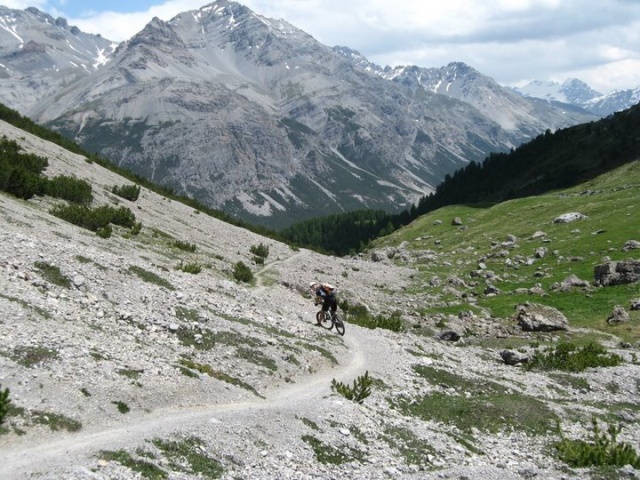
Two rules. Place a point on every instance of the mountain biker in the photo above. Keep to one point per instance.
(325, 293)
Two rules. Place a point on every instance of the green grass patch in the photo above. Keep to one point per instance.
(332, 454)
(52, 274)
(188, 456)
(414, 450)
(31, 356)
(470, 404)
(150, 277)
(55, 421)
(145, 468)
(572, 358)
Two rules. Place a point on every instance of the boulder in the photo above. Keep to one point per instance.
(631, 245)
(569, 217)
(513, 358)
(619, 315)
(617, 273)
(534, 317)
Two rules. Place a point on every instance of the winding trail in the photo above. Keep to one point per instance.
(31, 457)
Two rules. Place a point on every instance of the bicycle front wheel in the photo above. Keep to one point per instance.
(339, 324)
(324, 319)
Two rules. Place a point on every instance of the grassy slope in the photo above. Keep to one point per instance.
(611, 202)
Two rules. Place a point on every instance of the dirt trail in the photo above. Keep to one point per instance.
(32, 456)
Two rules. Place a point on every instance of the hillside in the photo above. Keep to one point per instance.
(120, 365)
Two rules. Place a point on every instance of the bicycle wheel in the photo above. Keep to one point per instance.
(339, 324)
(324, 319)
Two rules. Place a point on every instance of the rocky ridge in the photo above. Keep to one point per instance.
(113, 339)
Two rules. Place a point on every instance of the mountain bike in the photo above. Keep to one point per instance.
(328, 320)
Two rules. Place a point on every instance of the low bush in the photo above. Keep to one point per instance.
(359, 315)
(242, 273)
(122, 407)
(95, 219)
(69, 188)
(360, 390)
(4, 404)
(186, 246)
(192, 267)
(260, 250)
(602, 450)
(20, 172)
(128, 192)
(567, 356)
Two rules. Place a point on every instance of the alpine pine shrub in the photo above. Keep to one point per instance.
(602, 450)
(242, 273)
(4, 404)
(360, 390)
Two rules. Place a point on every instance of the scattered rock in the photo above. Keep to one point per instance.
(569, 217)
(449, 336)
(619, 315)
(571, 282)
(456, 221)
(534, 317)
(513, 358)
(631, 245)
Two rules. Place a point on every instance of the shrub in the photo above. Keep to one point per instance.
(602, 450)
(69, 188)
(242, 273)
(105, 232)
(192, 267)
(95, 219)
(4, 404)
(137, 227)
(568, 357)
(24, 184)
(359, 315)
(260, 250)
(186, 246)
(20, 172)
(360, 390)
(122, 407)
(129, 192)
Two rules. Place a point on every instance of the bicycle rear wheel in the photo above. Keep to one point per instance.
(324, 319)
(339, 324)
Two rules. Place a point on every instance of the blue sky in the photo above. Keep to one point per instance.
(512, 41)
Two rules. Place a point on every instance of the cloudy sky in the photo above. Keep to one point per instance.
(512, 41)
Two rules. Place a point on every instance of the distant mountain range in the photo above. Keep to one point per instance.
(255, 117)
(577, 93)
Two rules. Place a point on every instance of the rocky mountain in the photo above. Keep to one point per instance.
(40, 55)
(120, 363)
(577, 93)
(462, 82)
(255, 117)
